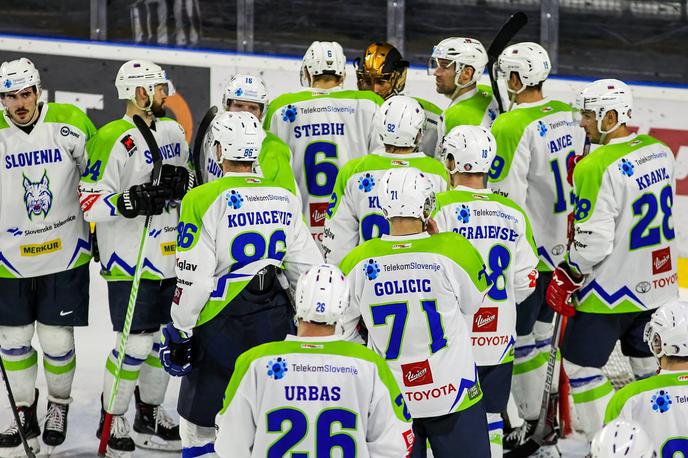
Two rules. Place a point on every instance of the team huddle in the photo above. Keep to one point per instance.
(341, 273)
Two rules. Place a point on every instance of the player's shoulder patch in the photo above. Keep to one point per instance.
(66, 113)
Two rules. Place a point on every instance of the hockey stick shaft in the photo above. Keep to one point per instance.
(508, 31)
(138, 272)
(198, 143)
(13, 406)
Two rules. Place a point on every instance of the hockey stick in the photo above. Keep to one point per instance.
(547, 425)
(198, 143)
(155, 179)
(13, 406)
(508, 31)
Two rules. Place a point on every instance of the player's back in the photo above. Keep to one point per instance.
(660, 405)
(627, 187)
(251, 222)
(534, 141)
(324, 130)
(501, 232)
(322, 386)
(412, 292)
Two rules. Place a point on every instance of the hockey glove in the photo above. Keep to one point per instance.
(177, 179)
(143, 199)
(571, 165)
(561, 289)
(175, 351)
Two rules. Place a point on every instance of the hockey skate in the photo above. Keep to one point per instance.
(154, 428)
(120, 444)
(10, 440)
(55, 429)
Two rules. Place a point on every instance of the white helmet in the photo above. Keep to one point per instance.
(603, 96)
(399, 121)
(462, 51)
(473, 148)
(247, 88)
(528, 59)
(406, 192)
(322, 295)
(667, 331)
(322, 57)
(622, 439)
(17, 75)
(140, 73)
(240, 136)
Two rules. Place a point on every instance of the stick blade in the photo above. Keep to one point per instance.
(198, 158)
(508, 31)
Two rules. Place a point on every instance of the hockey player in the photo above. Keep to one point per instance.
(235, 233)
(354, 213)
(44, 254)
(411, 289)
(247, 93)
(458, 64)
(324, 126)
(622, 439)
(658, 403)
(314, 380)
(383, 71)
(621, 262)
(534, 140)
(116, 194)
(501, 232)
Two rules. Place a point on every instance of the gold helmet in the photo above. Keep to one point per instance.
(381, 62)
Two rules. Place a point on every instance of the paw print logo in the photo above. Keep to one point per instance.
(366, 183)
(371, 269)
(277, 368)
(542, 128)
(463, 214)
(289, 113)
(234, 199)
(661, 401)
(238, 92)
(626, 167)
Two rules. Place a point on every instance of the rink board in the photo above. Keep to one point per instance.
(68, 68)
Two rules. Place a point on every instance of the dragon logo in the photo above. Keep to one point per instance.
(366, 183)
(463, 214)
(37, 196)
(277, 368)
(289, 113)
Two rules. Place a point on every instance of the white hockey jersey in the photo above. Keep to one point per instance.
(119, 158)
(660, 405)
(624, 240)
(501, 232)
(354, 214)
(412, 292)
(229, 229)
(324, 129)
(338, 398)
(534, 141)
(42, 227)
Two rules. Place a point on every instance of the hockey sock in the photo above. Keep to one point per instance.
(153, 379)
(591, 392)
(59, 359)
(643, 367)
(495, 429)
(136, 351)
(196, 440)
(21, 362)
(530, 370)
